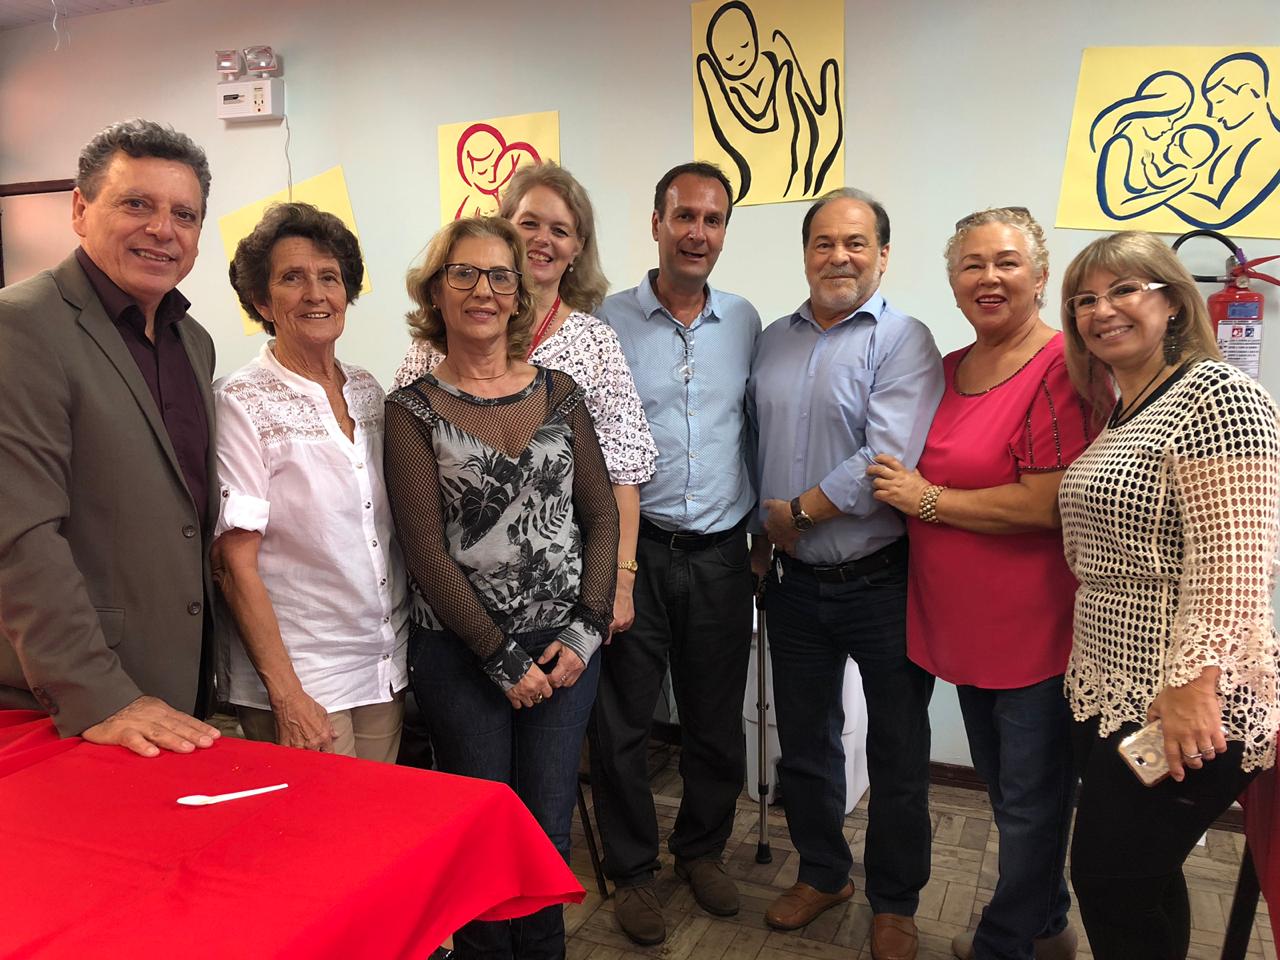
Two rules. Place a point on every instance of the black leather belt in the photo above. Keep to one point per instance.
(883, 558)
(681, 540)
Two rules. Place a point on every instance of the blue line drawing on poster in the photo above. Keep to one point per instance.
(1210, 161)
(760, 102)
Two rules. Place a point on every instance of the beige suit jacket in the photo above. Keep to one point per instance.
(104, 574)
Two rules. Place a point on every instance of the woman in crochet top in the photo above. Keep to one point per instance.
(1170, 525)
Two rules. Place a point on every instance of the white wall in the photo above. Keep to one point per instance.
(950, 107)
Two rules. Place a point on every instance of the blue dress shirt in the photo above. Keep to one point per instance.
(825, 403)
(692, 382)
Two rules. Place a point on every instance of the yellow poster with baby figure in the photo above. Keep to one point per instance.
(478, 157)
(1172, 139)
(768, 95)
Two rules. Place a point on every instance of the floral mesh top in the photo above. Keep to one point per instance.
(588, 350)
(505, 515)
(1170, 523)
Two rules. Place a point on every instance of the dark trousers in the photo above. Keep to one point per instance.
(477, 733)
(813, 627)
(1020, 740)
(693, 609)
(1131, 841)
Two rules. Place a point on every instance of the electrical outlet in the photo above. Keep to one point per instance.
(260, 98)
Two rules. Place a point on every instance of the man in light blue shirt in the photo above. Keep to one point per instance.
(689, 348)
(843, 379)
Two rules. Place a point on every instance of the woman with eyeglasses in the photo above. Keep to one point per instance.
(1169, 521)
(509, 528)
(989, 595)
(562, 270)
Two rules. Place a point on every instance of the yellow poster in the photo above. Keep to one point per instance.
(328, 191)
(478, 157)
(1172, 139)
(768, 88)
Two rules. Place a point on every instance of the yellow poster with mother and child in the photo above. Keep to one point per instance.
(1172, 139)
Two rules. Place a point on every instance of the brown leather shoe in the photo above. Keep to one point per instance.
(801, 904)
(1061, 946)
(640, 914)
(715, 892)
(893, 937)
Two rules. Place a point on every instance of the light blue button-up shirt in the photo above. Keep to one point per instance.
(692, 382)
(826, 403)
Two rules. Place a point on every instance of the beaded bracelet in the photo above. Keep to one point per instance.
(929, 503)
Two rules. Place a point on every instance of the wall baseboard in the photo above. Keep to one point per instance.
(955, 775)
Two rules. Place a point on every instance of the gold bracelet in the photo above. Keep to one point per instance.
(929, 503)
(629, 565)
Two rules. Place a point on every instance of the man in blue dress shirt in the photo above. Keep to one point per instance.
(689, 347)
(843, 379)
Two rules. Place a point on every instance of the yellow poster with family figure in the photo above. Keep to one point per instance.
(1172, 139)
(768, 96)
(478, 157)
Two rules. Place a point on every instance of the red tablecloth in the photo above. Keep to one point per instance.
(353, 860)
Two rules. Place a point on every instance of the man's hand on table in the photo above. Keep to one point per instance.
(149, 725)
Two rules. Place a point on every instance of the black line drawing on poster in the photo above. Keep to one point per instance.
(761, 108)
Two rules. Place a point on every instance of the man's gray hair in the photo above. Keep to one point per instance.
(140, 138)
(849, 193)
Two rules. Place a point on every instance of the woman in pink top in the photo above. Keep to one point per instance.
(989, 593)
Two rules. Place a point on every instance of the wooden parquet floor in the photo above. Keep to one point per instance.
(965, 850)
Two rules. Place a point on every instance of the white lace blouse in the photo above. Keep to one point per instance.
(1170, 522)
(329, 557)
(588, 350)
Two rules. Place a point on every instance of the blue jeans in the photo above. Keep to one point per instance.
(813, 627)
(476, 733)
(1020, 740)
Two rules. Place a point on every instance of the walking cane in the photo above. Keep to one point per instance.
(763, 854)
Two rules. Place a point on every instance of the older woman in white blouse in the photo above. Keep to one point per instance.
(562, 270)
(306, 556)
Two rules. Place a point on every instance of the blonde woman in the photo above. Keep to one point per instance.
(1169, 523)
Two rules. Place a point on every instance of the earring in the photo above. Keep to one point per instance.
(1172, 344)
(571, 266)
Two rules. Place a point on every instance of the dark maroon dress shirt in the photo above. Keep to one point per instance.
(167, 370)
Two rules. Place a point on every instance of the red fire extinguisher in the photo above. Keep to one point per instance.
(1236, 309)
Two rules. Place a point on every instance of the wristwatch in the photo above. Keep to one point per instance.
(799, 519)
(629, 565)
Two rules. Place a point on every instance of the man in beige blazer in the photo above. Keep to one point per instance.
(108, 490)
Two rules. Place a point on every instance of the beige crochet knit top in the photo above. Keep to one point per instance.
(1170, 522)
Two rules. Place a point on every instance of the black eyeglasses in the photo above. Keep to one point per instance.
(1015, 211)
(463, 276)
